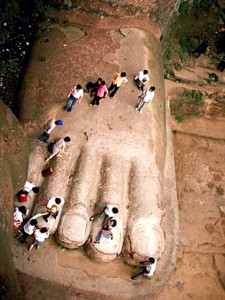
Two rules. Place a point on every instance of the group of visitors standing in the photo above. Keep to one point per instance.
(30, 226)
(99, 90)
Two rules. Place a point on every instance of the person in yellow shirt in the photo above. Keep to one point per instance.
(118, 79)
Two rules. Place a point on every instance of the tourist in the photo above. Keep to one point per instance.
(39, 237)
(28, 187)
(18, 216)
(29, 227)
(58, 147)
(48, 128)
(141, 78)
(221, 65)
(110, 210)
(118, 79)
(93, 87)
(75, 95)
(148, 270)
(101, 92)
(200, 49)
(146, 97)
(106, 230)
(53, 207)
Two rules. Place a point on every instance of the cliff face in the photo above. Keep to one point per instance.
(159, 11)
(13, 165)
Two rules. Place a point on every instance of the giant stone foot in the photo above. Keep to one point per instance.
(116, 155)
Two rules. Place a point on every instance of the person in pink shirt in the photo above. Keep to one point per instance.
(102, 92)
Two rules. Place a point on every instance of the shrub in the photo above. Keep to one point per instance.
(179, 118)
(43, 58)
(177, 66)
(196, 95)
(184, 8)
(170, 53)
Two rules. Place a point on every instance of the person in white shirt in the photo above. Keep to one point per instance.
(40, 235)
(18, 216)
(145, 98)
(29, 227)
(48, 128)
(110, 210)
(28, 187)
(141, 78)
(148, 270)
(75, 95)
(53, 207)
(58, 147)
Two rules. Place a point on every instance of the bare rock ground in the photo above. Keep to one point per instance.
(118, 135)
(198, 147)
(199, 273)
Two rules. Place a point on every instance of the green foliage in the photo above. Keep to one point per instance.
(170, 53)
(200, 5)
(39, 10)
(10, 70)
(189, 103)
(177, 66)
(43, 58)
(188, 44)
(196, 95)
(19, 19)
(184, 8)
(9, 10)
(42, 28)
(169, 74)
(179, 118)
(182, 56)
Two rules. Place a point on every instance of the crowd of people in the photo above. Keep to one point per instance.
(99, 90)
(31, 226)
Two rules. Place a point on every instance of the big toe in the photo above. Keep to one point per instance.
(73, 230)
(146, 239)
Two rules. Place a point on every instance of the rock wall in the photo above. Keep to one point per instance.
(13, 168)
(159, 11)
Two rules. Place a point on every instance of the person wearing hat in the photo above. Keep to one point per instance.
(48, 128)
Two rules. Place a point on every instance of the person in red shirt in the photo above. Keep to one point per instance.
(102, 92)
